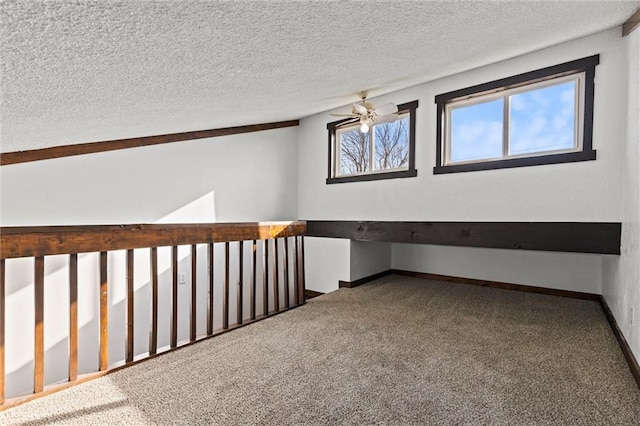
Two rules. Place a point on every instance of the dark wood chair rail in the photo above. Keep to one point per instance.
(41, 241)
(576, 237)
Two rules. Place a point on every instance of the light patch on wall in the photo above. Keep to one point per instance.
(200, 210)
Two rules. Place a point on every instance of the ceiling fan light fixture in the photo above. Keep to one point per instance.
(364, 128)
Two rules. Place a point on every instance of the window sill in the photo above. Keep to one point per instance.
(571, 157)
(374, 176)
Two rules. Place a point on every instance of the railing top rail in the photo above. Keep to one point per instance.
(27, 241)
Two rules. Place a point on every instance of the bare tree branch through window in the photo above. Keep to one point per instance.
(384, 147)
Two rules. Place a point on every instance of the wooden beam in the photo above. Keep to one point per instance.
(631, 24)
(578, 237)
(112, 145)
(32, 241)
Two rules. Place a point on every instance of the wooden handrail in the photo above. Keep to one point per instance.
(28, 241)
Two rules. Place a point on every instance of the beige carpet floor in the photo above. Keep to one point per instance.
(399, 350)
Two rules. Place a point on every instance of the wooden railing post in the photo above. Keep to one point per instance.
(73, 317)
(103, 360)
(240, 295)
(38, 356)
(254, 272)
(153, 334)
(300, 263)
(130, 306)
(265, 278)
(296, 274)
(276, 282)
(174, 296)
(286, 272)
(304, 284)
(2, 322)
(210, 305)
(225, 299)
(194, 289)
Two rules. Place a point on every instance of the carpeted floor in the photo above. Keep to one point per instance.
(399, 350)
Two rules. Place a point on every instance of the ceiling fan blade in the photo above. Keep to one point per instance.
(386, 109)
(360, 109)
(343, 115)
(389, 118)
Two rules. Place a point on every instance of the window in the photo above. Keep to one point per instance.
(541, 117)
(386, 151)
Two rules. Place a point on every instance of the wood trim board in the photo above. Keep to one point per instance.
(364, 280)
(16, 157)
(624, 345)
(577, 237)
(631, 24)
(310, 294)
(471, 281)
(498, 284)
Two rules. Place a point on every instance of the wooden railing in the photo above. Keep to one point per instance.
(272, 253)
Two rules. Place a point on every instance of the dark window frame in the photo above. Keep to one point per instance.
(408, 107)
(585, 65)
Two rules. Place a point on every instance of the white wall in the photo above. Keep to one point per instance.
(252, 176)
(369, 258)
(621, 274)
(586, 191)
(327, 261)
(249, 177)
(564, 271)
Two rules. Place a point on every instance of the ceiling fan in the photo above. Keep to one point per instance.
(368, 115)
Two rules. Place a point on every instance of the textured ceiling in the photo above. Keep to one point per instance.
(78, 71)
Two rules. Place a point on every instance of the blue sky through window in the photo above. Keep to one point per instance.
(540, 120)
(543, 119)
(476, 131)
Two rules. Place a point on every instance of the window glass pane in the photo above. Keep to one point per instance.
(476, 131)
(391, 145)
(543, 119)
(354, 151)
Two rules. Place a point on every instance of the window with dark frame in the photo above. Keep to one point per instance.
(386, 151)
(540, 117)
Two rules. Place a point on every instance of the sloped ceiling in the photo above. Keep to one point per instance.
(84, 71)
